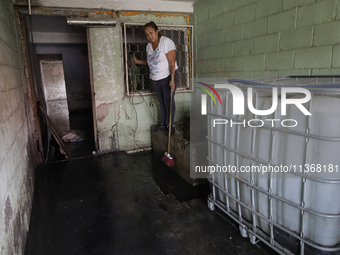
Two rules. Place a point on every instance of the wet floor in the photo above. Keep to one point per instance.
(82, 122)
(126, 204)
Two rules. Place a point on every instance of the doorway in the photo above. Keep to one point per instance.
(63, 67)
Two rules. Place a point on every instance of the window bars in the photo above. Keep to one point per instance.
(134, 41)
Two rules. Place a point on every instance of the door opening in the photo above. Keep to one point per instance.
(65, 80)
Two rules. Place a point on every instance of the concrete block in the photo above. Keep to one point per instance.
(242, 75)
(267, 43)
(319, 12)
(297, 38)
(223, 75)
(249, 1)
(233, 33)
(225, 20)
(199, 29)
(224, 50)
(199, 55)
(232, 64)
(295, 72)
(267, 7)
(181, 149)
(279, 60)
(326, 71)
(254, 28)
(203, 41)
(265, 74)
(336, 56)
(10, 78)
(7, 36)
(209, 26)
(217, 64)
(253, 63)
(216, 10)
(200, 5)
(245, 14)
(232, 4)
(209, 53)
(281, 21)
(217, 37)
(202, 15)
(327, 34)
(289, 4)
(315, 57)
(5, 56)
(242, 48)
(2, 11)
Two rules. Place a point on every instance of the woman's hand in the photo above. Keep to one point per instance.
(139, 62)
(172, 86)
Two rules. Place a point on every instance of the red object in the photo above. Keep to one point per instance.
(167, 159)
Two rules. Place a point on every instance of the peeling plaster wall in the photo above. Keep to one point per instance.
(124, 123)
(16, 167)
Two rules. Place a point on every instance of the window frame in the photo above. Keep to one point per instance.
(125, 59)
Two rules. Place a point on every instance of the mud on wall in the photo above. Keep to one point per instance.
(16, 169)
(124, 122)
(75, 62)
(53, 79)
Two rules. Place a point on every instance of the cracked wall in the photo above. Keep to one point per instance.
(16, 169)
(124, 122)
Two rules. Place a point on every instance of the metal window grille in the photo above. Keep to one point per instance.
(137, 76)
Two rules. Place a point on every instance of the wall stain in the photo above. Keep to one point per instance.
(17, 233)
(103, 110)
(186, 16)
(110, 13)
(113, 140)
(8, 213)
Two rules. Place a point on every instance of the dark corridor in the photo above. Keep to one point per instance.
(52, 36)
(126, 204)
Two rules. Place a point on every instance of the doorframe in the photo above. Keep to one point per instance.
(94, 112)
(31, 86)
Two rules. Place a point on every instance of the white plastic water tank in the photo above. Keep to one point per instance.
(320, 221)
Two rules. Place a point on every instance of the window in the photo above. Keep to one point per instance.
(137, 77)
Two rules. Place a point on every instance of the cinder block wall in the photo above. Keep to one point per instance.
(16, 175)
(266, 38)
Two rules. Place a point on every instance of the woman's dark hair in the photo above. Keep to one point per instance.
(150, 24)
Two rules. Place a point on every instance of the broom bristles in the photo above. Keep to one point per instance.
(167, 159)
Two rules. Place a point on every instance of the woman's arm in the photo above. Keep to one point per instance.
(140, 62)
(171, 56)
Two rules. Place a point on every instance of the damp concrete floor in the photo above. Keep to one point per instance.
(126, 204)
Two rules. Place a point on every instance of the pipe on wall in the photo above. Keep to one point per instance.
(90, 22)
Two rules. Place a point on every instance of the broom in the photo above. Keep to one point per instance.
(167, 159)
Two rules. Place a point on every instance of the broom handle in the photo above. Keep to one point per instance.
(172, 81)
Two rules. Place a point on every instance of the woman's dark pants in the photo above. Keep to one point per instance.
(163, 92)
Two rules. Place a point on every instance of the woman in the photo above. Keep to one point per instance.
(161, 57)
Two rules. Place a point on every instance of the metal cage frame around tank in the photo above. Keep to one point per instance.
(186, 49)
(250, 229)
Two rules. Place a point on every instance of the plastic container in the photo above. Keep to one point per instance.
(279, 208)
